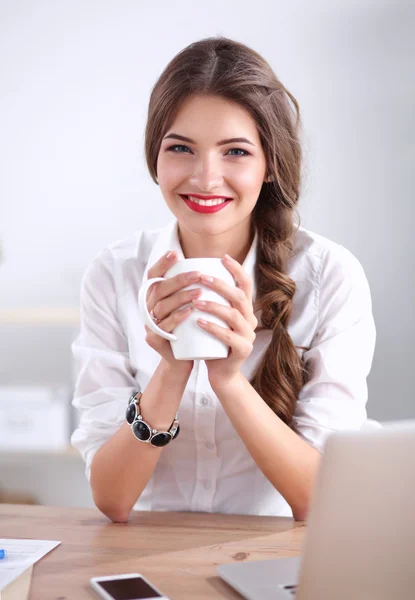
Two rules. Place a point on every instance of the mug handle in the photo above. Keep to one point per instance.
(144, 313)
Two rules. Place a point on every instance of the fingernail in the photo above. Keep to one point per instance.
(170, 254)
(195, 293)
(193, 276)
(206, 278)
(199, 302)
(227, 257)
(185, 307)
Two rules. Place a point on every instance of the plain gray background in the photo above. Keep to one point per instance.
(75, 79)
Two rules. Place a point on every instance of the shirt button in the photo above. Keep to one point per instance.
(205, 401)
(209, 445)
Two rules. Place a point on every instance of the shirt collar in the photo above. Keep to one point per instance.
(168, 239)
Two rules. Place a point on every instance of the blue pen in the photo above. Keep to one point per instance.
(3, 553)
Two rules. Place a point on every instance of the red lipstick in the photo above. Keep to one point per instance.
(205, 209)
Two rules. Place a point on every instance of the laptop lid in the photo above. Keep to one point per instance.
(360, 540)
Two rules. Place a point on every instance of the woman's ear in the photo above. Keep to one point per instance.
(269, 178)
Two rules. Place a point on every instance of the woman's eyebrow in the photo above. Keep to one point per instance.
(239, 140)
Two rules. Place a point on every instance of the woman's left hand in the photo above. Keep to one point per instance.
(239, 316)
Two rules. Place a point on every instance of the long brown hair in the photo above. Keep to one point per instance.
(221, 67)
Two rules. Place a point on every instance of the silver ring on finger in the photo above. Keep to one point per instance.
(153, 316)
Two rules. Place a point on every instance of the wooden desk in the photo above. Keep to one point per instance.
(178, 552)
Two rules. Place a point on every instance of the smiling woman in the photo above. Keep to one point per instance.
(212, 167)
(222, 142)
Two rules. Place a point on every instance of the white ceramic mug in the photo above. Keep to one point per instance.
(188, 340)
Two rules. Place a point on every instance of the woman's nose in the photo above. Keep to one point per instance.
(207, 175)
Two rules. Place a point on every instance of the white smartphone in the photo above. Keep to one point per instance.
(131, 586)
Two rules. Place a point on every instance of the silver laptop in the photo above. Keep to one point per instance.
(360, 542)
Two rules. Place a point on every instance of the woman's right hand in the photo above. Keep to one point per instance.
(163, 298)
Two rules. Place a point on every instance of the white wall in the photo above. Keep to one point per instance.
(75, 78)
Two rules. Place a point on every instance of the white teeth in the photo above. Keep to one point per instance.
(207, 202)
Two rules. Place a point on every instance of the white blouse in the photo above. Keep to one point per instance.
(207, 467)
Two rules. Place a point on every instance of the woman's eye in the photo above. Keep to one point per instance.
(181, 149)
(244, 152)
(174, 148)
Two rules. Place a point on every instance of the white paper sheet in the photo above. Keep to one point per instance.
(20, 555)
